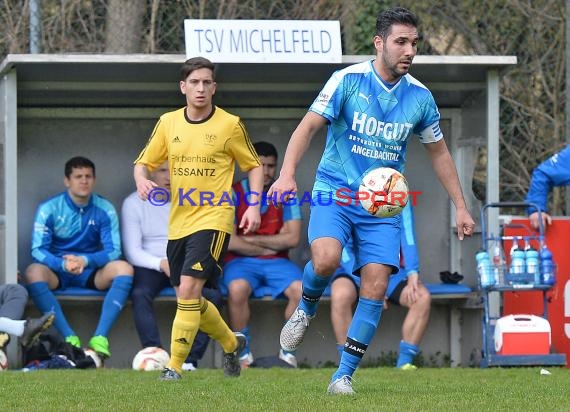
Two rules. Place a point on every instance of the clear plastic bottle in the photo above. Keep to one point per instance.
(486, 276)
(499, 263)
(547, 275)
(533, 264)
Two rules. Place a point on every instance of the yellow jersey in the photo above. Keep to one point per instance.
(201, 157)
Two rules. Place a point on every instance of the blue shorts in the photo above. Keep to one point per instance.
(265, 276)
(85, 280)
(376, 240)
(396, 282)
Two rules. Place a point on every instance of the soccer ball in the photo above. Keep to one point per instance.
(150, 359)
(383, 192)
(3, 361)
(93, 355)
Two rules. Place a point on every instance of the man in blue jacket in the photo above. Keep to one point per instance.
(555, 171)
(76, 242)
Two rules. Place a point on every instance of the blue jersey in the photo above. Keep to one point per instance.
(61, 227)
(554, 171)
(370, 124)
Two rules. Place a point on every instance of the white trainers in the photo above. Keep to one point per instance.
(288, 357)
(189, 366)
(246, 360)
(341, 386)
(294, 330)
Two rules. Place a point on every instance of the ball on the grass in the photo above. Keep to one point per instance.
(383, 192)
(150, 359)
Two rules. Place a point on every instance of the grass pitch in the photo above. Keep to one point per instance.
(428, 389)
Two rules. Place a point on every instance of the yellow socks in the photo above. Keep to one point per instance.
(184, 328)
(212, 323)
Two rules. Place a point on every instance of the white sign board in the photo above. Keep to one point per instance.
(264, 41)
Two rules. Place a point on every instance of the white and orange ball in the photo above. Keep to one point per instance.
(150, 359)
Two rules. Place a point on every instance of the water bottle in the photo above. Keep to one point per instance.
(517, 262)
(547, 276)
(532, 264)
(499, 263)
(486, 276)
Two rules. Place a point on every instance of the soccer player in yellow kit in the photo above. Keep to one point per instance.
(201, 142)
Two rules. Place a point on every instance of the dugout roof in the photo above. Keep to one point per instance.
(69, 80)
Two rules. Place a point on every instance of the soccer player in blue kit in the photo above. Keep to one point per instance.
(371, 109)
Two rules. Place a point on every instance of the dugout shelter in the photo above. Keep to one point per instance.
(104, 107)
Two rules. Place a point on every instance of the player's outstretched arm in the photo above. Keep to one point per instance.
(285, 186)
(446, 172)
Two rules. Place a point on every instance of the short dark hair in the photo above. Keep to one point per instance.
(195, 63)
(78, 162)
(397, 15)
(265, 149)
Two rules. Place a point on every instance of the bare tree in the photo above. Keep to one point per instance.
(124, 30)
(533, 92)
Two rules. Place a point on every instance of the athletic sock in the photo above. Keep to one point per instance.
(246, 349)
(313, 288)
(46, 302)
(184, 329)
(212, 323)
(113, 303)
(407, 353)
(360, 332)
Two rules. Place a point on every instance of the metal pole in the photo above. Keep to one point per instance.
(35, 26)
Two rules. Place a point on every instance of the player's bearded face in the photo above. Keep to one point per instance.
(399, 49)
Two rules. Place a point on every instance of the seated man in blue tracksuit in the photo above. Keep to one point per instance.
(404, 288)
(76, 242)
(554, 171)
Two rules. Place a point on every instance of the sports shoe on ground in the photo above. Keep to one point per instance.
(73, 340)
(168, 374)
(100, 344)
(288, 357)
(294, 330)
(341, 386)
(246, 360)
(4, 339)
(232, 367)
(34, 327)
(408, 367)
(189, 366)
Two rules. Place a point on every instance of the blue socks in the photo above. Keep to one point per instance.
(113, 304)
(45, 301)
(407, 353)
(246, 349)
(361, 331)
(313, 288)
